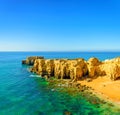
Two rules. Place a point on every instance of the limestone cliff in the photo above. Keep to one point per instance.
(111, 68)
(30, 60)
(60, 68)
(74, 69)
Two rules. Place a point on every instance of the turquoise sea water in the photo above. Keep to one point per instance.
(22, 93)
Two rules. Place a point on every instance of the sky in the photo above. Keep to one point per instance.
(59, 25)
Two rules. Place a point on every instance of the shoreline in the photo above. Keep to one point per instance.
(103, 77)
(97, 98)
(105, 88)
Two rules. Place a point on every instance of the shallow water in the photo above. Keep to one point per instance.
(22, 93)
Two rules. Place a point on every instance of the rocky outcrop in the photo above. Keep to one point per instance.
(30, 60)
(111, 68)
(94, 68)
(61, 68)
(74, 69)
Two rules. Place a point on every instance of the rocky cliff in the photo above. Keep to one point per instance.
(74, 69)
(30, 60)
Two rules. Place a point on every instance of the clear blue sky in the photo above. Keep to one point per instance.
(59, 25)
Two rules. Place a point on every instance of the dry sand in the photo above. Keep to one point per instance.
(106, 88)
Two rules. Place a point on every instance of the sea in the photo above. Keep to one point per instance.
(24, 93)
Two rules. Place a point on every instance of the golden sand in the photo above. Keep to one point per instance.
(105, 87)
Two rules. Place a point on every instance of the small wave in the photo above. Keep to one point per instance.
(34, 76)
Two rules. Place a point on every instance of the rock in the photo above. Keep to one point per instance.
(91, 70)
(93, 62)
(112, 70)
(74, 69)
(46, 77)
(88, 79)
(30, 60)
(23, 61)
(77, 69)
(49, 65)
(92, 65)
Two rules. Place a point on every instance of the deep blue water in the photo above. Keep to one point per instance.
(21, 94)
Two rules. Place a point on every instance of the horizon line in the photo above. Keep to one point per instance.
(65, 51)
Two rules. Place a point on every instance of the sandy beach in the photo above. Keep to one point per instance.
(105, 88)
(102, 77)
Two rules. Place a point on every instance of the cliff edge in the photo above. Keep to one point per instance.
(74, 69)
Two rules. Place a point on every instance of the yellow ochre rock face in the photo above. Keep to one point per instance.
(111, 68)
(75, 69)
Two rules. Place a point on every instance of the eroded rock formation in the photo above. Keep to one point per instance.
(74, 69)
(111, 68)
(30, 60)
(61, 68)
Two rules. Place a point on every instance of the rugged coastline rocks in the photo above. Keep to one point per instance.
(74, 69)
(61, 68)
(30, 60)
